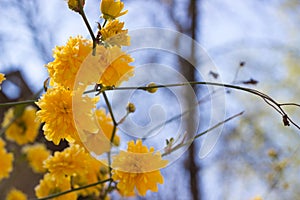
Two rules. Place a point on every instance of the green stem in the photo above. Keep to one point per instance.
(109, 108)
(115, 124)
(74, 189)
(17, 103)
(82, 13)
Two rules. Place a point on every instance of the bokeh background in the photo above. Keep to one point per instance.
(246, 40)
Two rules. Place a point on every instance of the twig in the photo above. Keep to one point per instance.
(202, 133)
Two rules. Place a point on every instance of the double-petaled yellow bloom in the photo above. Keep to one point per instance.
(56, 112)
(67, 61)
(115, 65)
(112, 9)
(73, 160)
(137, 168)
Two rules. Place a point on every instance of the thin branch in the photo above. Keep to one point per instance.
(115, 124)
(17, 103)
(202, 133)
(289, 104)
(109, 108)
(277, 106)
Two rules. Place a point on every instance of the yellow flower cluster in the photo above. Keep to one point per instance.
(15, 194)
(6, 161)
(21, 129)
(36, 154)
(68, 113)
(73, 69)
(75, 164)
(137, 168)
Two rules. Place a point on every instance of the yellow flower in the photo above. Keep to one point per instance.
(73, 5)
(95, 171)
(2, 78)
(6, 161)
(111, 9)
(56, 112)
(137, 168)
(113, 34)
(110, 66)
(67, 61)
(99, 142)
(23, 129)
(73, 160)
(116, 66)
(15, 194)
(49, 185)
(36, 154)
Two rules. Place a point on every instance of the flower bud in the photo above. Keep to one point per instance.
(130, 108)
(151, 87)
(73, 5)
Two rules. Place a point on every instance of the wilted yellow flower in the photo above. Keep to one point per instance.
(49, 185)
(22, 129)
(113, 34)
(111, 9)
(137, 168)
(6, 161)
(73, 5)
(73, 160)
(2, 78)
(15, 194)
(36, 154)
(67, 61)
